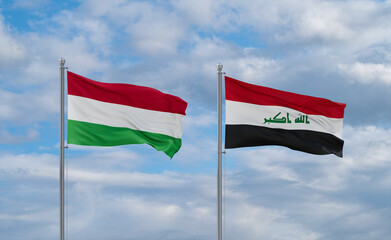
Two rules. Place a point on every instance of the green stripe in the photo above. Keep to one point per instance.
(90, 134)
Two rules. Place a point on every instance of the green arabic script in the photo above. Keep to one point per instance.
(302, 119)
(277, 119)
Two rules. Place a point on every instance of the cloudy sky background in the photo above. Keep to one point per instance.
(340, 50)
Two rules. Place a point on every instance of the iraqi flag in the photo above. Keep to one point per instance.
(112, 114)
(258, 116)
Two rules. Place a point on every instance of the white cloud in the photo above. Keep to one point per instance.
(156, 37)
(257, 222)
(157, 32)
(367, 73)
(76, 51)
(11, 49)
(95, 169)
(151, 29)
(368, 146)
(253, 69)
(43, 216)
(38, 105)
(204, 14)
(8, 138)
(94, 30)
(351, 24)
(29, 166)
(323, 21)
(210, 15)
(203, 120)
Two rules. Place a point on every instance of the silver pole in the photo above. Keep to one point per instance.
(219, 152)
(62, 68)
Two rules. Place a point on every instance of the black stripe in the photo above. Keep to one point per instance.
(237, 136)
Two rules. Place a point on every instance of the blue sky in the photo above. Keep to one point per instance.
(338, 50)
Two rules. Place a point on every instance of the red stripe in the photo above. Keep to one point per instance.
(125, 94)
(239, 91)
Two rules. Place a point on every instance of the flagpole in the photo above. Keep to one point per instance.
(219, 152)
(62, 68)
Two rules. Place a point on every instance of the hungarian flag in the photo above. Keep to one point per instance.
(257, 116)
(112, 114)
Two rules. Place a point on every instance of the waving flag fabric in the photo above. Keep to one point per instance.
(112, 114)
(257, 116)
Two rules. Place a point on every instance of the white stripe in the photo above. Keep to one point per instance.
(253, 114)
(117, 115)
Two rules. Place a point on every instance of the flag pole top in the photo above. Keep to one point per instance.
(219, 67)
(62, 61)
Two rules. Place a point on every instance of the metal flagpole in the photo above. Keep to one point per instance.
(62, 68)
(219, 152)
